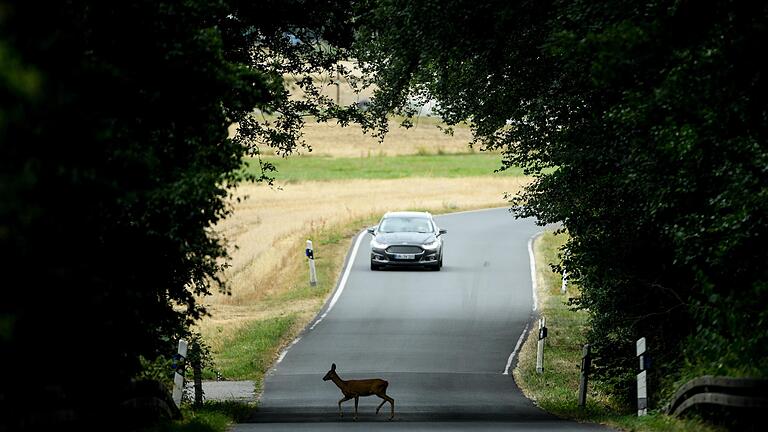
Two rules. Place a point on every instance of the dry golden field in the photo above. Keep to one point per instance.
(328, 139)
(266, 231)
(423, 137)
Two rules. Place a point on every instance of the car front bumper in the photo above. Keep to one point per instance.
(384, 258)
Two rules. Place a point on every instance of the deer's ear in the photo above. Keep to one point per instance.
(333, 366)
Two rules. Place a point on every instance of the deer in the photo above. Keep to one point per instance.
(356, 388)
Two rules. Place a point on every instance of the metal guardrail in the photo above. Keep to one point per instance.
(744, 393)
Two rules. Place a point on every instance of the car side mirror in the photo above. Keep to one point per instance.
(443, 231)
(371, 230)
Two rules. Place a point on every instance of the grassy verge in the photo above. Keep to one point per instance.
(211, 417)
(248, 354)
(305, 168)
(556, 390)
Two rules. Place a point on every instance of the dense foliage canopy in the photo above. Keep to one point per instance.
(655, 115)
(115, 163)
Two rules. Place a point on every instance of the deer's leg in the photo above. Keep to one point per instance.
(344, 399)
(357, 398)
(386, 399)
(381, 404)
(391, 402)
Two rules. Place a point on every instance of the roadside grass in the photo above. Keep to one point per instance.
(556, 389)
(248, 354)
(304, 168)
(211, 417)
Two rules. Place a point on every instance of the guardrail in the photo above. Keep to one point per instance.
(744, 393)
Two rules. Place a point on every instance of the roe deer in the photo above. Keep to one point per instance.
(356, 388)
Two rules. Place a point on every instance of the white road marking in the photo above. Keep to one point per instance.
(285, 351)
(343, 281)
(335, 298)
(517, 348)
(534, 286)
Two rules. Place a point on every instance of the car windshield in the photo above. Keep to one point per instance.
(405, 224)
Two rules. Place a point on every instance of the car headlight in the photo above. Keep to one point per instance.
(431, 246)
(377, 245)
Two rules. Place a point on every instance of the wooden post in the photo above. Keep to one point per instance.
(197, 375)
(178, 374)
(586, 362)
(642, 379)
(540, 348)
(311, 257)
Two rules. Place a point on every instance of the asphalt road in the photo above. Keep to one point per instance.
(441, 339)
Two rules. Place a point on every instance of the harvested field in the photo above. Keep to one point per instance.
(329, 139)
(423, 138)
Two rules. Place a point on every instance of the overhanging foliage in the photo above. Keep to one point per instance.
(655, 116)
(115, 163)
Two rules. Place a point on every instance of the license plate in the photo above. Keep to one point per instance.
(405, 256)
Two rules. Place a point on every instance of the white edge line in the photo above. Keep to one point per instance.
(336, 295)
(517, 348)
(285, 351)
(343, 281)
(534, 285)
(534, 288)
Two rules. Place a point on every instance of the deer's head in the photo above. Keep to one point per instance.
(330, 373)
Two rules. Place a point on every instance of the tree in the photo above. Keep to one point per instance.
(115, 164)
(652, 119)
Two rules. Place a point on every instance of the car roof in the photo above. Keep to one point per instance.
(407, 214)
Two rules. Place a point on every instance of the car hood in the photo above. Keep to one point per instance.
(405, 238)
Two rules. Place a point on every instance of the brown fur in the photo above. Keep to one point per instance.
(356, 388)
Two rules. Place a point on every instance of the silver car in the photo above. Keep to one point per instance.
(407, 239)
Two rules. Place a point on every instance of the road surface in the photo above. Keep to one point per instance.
(441, 339)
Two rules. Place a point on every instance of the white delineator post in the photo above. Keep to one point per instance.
(540, 348)
(563, 287)
(642, 379)
(178, 374)
(311, 257)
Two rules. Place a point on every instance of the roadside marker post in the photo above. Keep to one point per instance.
(179, 361)
(642, 378)
(564, 286)
(540, 348)
(586, 362)
(311, 257)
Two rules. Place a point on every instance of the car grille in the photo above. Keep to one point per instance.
(404, 249)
